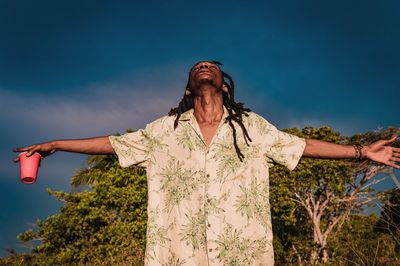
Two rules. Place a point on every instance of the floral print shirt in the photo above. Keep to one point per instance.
(205, 206)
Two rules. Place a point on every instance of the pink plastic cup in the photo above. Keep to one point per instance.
(29, 167)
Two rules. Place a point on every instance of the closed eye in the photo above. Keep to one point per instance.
(197, 68)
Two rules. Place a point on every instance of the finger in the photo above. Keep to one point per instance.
(396, 150)
(393, 165)
(22, 149)
(395, 159)
(16, 160)
(30, 152)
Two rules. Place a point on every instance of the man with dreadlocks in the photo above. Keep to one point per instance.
(207, 167)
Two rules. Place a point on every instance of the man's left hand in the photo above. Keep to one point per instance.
(381, 152)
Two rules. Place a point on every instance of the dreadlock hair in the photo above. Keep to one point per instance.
(235, 110)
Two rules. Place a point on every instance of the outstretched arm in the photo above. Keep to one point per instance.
(97, 145)
(379, 151)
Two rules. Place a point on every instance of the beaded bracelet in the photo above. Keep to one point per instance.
(358, 149)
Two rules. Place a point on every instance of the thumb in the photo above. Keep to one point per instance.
(389, 141)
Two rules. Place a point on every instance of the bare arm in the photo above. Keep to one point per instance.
(97, 145)
(323, 149)
(379, 151)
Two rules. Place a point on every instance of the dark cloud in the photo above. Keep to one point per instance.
(82, 68)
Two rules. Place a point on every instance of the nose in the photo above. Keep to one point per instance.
(204, 66)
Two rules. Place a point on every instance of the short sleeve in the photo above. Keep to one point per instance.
(281, 147)
(131, 148)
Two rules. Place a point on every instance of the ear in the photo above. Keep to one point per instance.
(187, 92)
(225, 88)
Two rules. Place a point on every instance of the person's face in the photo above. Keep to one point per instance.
(205, 73)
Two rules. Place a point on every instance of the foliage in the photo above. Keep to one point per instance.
(389, 221)
(311, 203)
(359, 243)
(312, 179)
(105, 224)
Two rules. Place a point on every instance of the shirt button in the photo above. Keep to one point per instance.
(209, 225)
(210, 250)
(208, 175)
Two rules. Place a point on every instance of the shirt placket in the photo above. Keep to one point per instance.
(209, 173)
(210, 249)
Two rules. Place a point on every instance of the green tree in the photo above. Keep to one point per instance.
(103, 226)
(311, 203)
(360, 243)
(389, 221)
(311, 210)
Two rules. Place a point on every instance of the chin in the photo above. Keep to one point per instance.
(207, 81)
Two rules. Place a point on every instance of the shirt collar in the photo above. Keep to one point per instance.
(189, 115)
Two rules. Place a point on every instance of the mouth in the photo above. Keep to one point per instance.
(204, 72)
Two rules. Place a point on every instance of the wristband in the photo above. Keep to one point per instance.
(358, 149)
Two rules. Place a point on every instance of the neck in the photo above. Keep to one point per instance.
(208, 105)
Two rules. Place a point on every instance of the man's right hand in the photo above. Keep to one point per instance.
(44, 149)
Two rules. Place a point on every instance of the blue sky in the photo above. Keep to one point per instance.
(74, 69)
